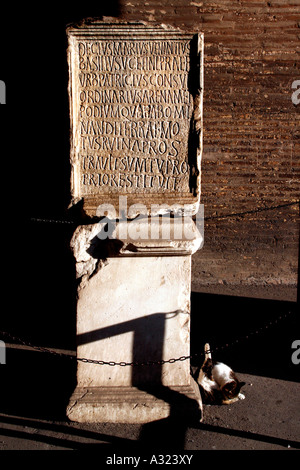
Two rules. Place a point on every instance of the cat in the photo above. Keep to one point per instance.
(217, 382)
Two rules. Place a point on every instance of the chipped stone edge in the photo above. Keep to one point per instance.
(87, 264)
(129, 404)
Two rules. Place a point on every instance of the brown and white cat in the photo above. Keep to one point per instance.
(217, 382)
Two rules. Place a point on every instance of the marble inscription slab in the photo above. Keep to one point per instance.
(135, 94)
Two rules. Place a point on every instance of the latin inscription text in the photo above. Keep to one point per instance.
(134, 111)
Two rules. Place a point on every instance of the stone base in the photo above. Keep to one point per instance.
(134, 306)
(132, 405)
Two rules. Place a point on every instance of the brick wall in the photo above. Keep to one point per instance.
(251, 128)
(251, 136)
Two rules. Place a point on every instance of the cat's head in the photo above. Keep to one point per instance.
(232, 389)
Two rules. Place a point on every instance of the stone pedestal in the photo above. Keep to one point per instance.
(136, 93)
(133, 307)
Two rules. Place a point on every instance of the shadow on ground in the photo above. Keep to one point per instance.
(259, 333)
(37, 384)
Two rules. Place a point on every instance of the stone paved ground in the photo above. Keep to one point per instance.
(36, 387)
(268, 419)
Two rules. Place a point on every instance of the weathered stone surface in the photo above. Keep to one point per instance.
(136, 114)
(136, 121)
(133, 307)
(132, 405)
(146, 237)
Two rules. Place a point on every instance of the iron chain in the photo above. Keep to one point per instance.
(161, 362)
(146, 363)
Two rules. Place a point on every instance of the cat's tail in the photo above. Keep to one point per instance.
(207, 351)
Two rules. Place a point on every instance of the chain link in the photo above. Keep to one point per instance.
(147, 363)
